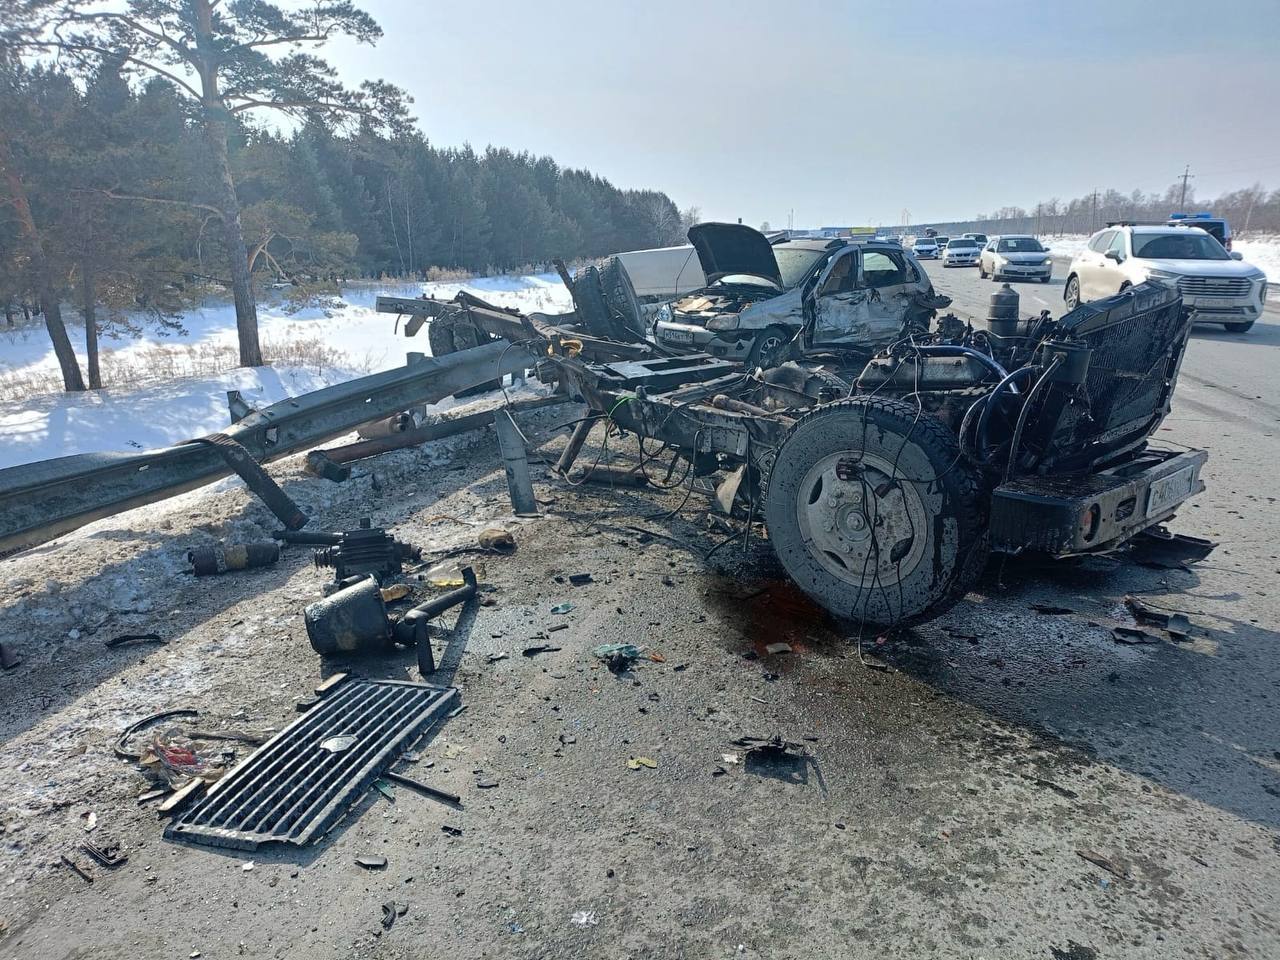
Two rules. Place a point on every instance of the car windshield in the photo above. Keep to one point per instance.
(793, 264)
(1179, 245)
(925, 242)
(962, 244)
(1019, 245)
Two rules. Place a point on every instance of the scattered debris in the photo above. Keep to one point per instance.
(1132, 636)
(390, 910)
(780, 647)
(562, 608)
(279, 779)
(149, 795)
(1177, 625)
(371, 861)
(486, 784)
(1049, 610)
(247, 867)
(76, 869)
(134, 638)
(209, 561)
(397, 591)
(384, 788)
(635, 763)
(497, 540)
(110, 855)
(1162, 550)
(180, 796)
(495, 657)
(580, 579)
(619, 657)
(366, 550)
(8, 657)
(1106, 863)
(584, 918)
(451, 830)
(90, 821)
(433, 792)
(731, 758)
(539, 648)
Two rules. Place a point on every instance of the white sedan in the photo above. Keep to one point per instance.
(961, 252)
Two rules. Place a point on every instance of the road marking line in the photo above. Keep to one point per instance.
(1043, 303)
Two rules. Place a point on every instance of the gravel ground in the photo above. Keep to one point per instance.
(996, 783)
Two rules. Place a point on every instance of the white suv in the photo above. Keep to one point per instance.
(1213, 283)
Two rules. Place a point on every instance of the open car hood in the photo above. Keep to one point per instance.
(725, 249)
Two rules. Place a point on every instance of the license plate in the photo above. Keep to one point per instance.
(1212, 302)
(1165, 492)
(677, 336)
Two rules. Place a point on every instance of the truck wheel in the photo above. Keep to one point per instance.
(874, 512)
(620, 297)
(1071, 296)
(1244, 327)
(769, 348)
(447, 338)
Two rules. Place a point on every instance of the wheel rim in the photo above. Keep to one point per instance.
(859, 524)
(1073, 294)
(769, 346)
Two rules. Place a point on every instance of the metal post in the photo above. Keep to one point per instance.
(575, 444)
(516, 462)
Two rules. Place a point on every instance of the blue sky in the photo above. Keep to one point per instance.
(850, 112)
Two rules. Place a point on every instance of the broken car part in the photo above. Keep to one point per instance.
(355, 621)
(110, 856)
(290, 790)
(121, 747)
(42, 500)
(219, 558)
(433, 792)
(134, 638)
(515, 461)
(368, 550)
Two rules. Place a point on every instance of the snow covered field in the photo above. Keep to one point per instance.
(151, 412)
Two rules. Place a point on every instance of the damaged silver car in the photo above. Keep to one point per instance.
(767, 302)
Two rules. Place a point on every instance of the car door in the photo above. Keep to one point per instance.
(987, 257)
(870, 315)
(1110, 274)
(1089, 268)
(839, 305)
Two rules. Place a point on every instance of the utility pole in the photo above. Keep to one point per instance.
(1186, 175)
(1093, 212)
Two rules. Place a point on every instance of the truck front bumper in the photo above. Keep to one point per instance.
(1062, 516)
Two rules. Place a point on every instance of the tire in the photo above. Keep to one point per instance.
(831, 496)
(620, 297)
(1244, 327)
(825, 386)
(768, 348)
(982, 271)
(1071, 295)
(589, 303)
(446, 338)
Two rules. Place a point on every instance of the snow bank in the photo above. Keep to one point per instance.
(152, 414)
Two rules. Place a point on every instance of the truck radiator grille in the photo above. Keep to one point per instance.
(292, 789)
(1214, 286)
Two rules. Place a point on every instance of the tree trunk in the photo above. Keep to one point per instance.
(215, 131)
(89, 311)
(49, 305)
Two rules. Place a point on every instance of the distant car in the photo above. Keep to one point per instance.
(925, 248)
(942, 243)
(980, 237)
(1015, 258)
(1214, 284)
(961, 252)
(1216, 227)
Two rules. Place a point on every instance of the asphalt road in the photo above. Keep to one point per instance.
(999, 783)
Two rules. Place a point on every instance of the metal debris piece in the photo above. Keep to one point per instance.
(451, 830)
(134, 638)
(110, 856)
(539, 648)
(76, 869)
(1177, 625)
(365, 550)
(208, 561)
(495, 657)
(562, 608)
(318, 464)
(291, 790)
(580, 579)
(371, 862)
(1106, 863)
(516, 462)
(434, 792)
(1049, 610)
(1132, 636)
(1162, 550)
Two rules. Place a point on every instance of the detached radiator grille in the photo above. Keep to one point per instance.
(1214, 287)
(293, 790)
